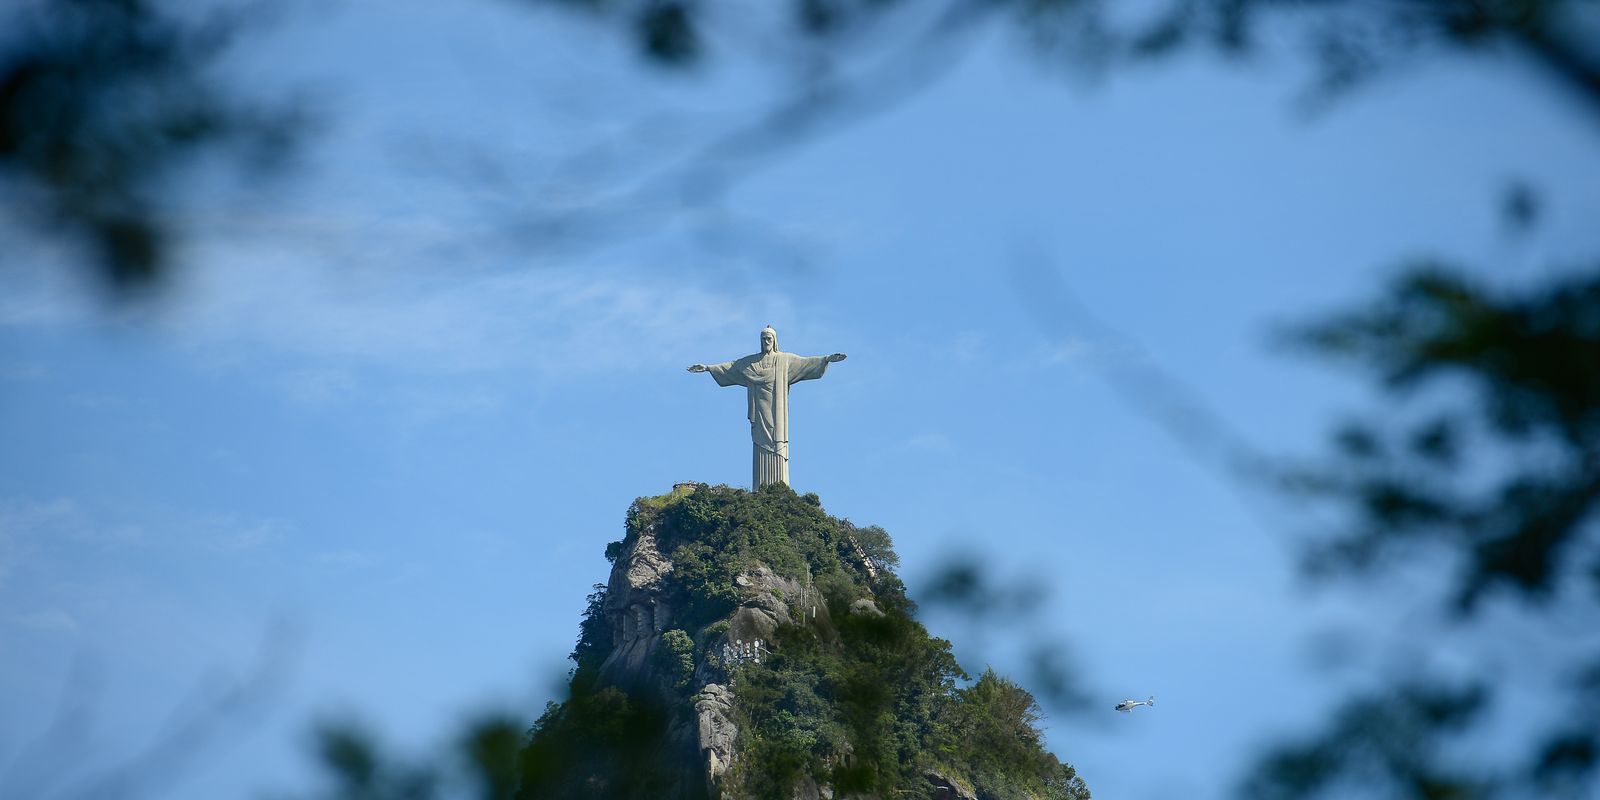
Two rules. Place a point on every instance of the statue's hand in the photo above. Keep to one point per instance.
(698, 368)
(837, 357)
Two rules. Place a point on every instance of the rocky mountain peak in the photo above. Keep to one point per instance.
(746, 644)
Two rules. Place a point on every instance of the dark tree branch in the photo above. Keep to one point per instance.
(1572, 66)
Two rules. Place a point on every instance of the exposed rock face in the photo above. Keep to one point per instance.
(763, 607)
(715, 732)
(638, 611)
(809, 790)
(867, 607)
(943, 788)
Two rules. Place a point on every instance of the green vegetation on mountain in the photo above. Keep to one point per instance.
(852, 694)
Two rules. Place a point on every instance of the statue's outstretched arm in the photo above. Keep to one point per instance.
(837, 357)
(724, 374)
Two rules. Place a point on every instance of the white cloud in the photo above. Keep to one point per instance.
(1070, 349)
(344, 559)
(231, 534)
(317, 387)
(44, 288)
(1096, 351)
(292, 312)
(441, 319)
(969, 347)
(94, 401)
(418, 407)
(929, 443)
(20, 518)
(19, 523)
(30, 531)
(52, 620)
(23, 372)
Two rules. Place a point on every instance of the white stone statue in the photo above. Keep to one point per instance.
(767, 376)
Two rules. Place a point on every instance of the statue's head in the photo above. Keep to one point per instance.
(769, 340)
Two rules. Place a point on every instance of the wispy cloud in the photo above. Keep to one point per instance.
(426, 318)
(317, 387)
(344, 559)
(1070, 349)
(929, 443)
(25, 525)
(231, 534)
(1093, 351)
(44, 289)
(94, 400)
(544, 322)
(23, 372)
(418, 407)
(323, 333)
(32, 530)
(969, 347)
(18, 518)
(52, 620)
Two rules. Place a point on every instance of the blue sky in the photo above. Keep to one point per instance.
(373, 433)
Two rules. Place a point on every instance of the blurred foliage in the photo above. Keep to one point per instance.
(603, 743)
(1346, 41)
(104, 103)
(1486, 463)
(482, 763)
(1507, 469)
(967, 587)
(101, 103)
(1381, 746)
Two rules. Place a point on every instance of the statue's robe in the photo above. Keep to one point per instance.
(767, 378)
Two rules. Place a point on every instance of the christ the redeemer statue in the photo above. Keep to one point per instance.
(766, 376)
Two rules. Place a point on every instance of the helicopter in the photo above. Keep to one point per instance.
(1129, 705)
